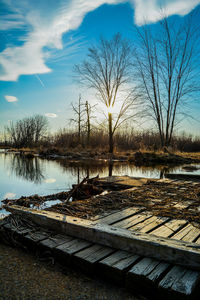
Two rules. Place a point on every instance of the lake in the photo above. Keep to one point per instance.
(27, 176)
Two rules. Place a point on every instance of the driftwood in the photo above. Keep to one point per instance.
(75, 188)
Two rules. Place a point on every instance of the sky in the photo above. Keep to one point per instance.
(42, 40)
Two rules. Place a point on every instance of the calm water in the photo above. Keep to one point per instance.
(21, 176)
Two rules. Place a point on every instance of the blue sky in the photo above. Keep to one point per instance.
(41, 40)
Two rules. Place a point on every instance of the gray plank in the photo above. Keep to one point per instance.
(129, 222)
(72, 246)
(88, 258)
(169, 250)
(149, 224)
(175, 274)
(120, 215)
(188, 283)
(145, 275)
(181, 282)
(55, 241)
(36, 236)
(115, 266)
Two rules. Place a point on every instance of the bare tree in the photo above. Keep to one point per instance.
(166, 70)
(28, 131)
(89, 116)
(78, 117)
(107, 71)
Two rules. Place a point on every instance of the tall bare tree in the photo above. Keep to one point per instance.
(107, 71)
(167, 71)
(78, 116)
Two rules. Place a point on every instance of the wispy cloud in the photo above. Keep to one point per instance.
(151, 11)
(45, 25)
(10, 98)
(46, 32)
(51, 115)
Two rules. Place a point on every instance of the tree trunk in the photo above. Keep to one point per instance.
(110, 133)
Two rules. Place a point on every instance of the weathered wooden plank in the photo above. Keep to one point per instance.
(73, 246)
(198, 241)
(188, 283)
(103, 215)
(129, 222)
(118, 263)
(115, 266)
(36, 236)
(145, 275)
(55, 241)
(65, 251)
(120, 215)
(149, 224)
(148, 272)
(170, 250)
(169, 228)
(188, 233)
(87, 259)
(180, 283)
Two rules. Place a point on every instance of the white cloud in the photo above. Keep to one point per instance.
(45, 24)
(10, 98)
(9, 195)
(30, 57)
(151, 11)
(50, 115)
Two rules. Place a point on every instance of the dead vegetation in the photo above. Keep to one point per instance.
(179, 200)
(168, 198)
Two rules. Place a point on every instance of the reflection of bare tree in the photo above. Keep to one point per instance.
(110, 167)
(27, 168)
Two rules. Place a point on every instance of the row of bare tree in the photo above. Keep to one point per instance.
(28, 131)
(161, 71)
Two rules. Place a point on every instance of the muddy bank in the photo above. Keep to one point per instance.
(23, 276)
(139, 158)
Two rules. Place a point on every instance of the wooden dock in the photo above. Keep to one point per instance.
(166, 264)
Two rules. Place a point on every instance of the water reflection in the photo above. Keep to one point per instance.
(29, 169)
(33, 169)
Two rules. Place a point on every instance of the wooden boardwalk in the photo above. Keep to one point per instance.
(149, 276)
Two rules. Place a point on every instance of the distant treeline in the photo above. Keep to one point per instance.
(63, 140)
(126, 141)
(32, 133)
